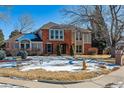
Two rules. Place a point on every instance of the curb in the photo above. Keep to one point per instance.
(69, 82)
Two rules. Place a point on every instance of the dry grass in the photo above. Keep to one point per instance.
(94, 56)
(105, 58)
(41, 74)
(109, 60)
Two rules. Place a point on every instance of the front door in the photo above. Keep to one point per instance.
(63, 48)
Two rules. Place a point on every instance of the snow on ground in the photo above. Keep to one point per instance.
(58, 63)
(9, 86)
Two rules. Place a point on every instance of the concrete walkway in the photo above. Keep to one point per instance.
(100, 82)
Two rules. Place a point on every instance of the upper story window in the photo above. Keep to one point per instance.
(87, 38)
(52, 34)
(56, 34)
(61, 34)
(78, 36)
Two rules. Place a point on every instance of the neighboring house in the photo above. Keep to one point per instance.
(50, 35)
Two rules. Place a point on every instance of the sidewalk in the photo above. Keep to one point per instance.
(114, 77)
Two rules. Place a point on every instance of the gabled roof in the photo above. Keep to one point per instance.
(52, 25)
(49, 25)
(29, 36)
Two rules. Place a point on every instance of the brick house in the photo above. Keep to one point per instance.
(50, 35)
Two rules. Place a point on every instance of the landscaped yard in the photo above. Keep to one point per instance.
(56, 68)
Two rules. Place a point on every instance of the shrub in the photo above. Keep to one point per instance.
(2, 54)
(93, 51)
(58, 50)
(23, 54)
(106, 51)
(71, 51)
(34, 52)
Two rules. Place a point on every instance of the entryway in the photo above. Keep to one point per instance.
(63, 48)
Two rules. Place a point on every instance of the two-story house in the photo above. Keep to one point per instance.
(50, 35)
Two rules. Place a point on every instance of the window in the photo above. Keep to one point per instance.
(36, 46)
(27, 46)
(56, 34)
(52, 34)
(39, 46)
(79, 48)
(61, 34)
(78, 36)
(87, 38)
(49, 48)
(22, 46)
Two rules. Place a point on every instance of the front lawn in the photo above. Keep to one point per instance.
(40, 74)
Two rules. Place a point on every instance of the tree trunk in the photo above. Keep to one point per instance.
(112, 52)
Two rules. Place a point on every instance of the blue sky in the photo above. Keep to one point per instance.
(40, 14)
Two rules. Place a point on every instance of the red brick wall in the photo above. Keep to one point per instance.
(67, 40)
(86, 47)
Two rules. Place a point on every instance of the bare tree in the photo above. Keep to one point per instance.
(25, 23)
(106, 22)
(115, 26)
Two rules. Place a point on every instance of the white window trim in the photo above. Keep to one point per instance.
(55, 35)
(87, 39)
(78, 36)
(77, 49)
(37, 45)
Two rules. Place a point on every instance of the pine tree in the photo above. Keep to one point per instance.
(14, 33)
(1, 38)
(58, 50)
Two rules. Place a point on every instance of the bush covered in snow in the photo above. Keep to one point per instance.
(23, 54)
(2, 54)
